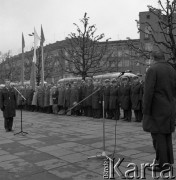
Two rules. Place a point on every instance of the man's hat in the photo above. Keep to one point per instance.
(107, 80)
(114, 80)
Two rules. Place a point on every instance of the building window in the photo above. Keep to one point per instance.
(148, 46)
(147, 31)
(148, 16)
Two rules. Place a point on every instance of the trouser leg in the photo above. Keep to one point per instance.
(164, 148)
(10, 123)
(6, 123)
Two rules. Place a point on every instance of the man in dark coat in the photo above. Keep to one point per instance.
(96, 101)
(136, 98)
(8, 105)
(114, 108)
(88, 101)
(125, 101)
(159, 108)
(106, 95)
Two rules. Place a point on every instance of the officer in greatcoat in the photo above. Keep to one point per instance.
(136, 98)
(114, 108)
(61, 93)
(8, 105)
(96, 100)
(106, 95)
(74, 98)
(40, 99)
(88, 101)
(67, 97)
(159, 108)
(125, 100)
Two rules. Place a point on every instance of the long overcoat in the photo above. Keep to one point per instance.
(61, 97)
(96, 99)
(136, 96)
(40, 97)
(125, 100)
(29, 97)
(67, 98)
(106, 93)
(159, 99)
(47, 97)
(88, 91)
(113, 98)
(74, 96)
(8, 102)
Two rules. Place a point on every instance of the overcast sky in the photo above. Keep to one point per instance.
(114, 18)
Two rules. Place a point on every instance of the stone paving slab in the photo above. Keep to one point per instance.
(57, 147)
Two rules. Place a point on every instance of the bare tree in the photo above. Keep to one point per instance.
(84, 54)
(161, 32)
(8, 67)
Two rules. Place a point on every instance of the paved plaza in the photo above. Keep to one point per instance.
(57, 147)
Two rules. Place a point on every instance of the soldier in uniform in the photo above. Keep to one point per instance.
(74, 98)
(114, 108)
(125, 100)
(136, 98)
(67, 97)
(8, 105)
(61, 91)
(96, 101)
(106, 95)
(88, 101)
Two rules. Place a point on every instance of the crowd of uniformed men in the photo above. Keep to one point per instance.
(114, 95)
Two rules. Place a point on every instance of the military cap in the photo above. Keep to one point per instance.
(114, 80)
(107, 80)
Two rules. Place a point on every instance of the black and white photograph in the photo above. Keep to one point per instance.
(87, 89)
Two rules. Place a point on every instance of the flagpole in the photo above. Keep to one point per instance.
(22, 64)
(42, 75)
(42, 39)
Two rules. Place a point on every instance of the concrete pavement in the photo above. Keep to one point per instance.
(57, 148)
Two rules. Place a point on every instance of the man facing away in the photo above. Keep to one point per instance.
(8, 105)
(159, 108)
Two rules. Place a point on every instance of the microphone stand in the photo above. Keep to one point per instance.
(23, 98)
(103, 154)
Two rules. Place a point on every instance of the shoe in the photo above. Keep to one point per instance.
(7, 130)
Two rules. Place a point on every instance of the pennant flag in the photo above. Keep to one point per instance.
(41, 45)
(36, 41)
(33, 69)
(42, 37)
(23, 42)
(22, 61)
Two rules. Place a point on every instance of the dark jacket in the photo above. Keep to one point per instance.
(8, 102)
(125, 100)
(106, 93)
(88, 91)
(96, 99)
(114, 98)
(136, 96)
(159, 99)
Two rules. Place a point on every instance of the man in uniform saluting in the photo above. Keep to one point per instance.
(8, 105)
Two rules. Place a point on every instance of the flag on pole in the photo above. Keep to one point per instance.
(22, 61)
(23, 42)
(36, 41)
(41, 45)
(42, 37)
(33, 69)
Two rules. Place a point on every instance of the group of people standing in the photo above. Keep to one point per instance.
(89, 98)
